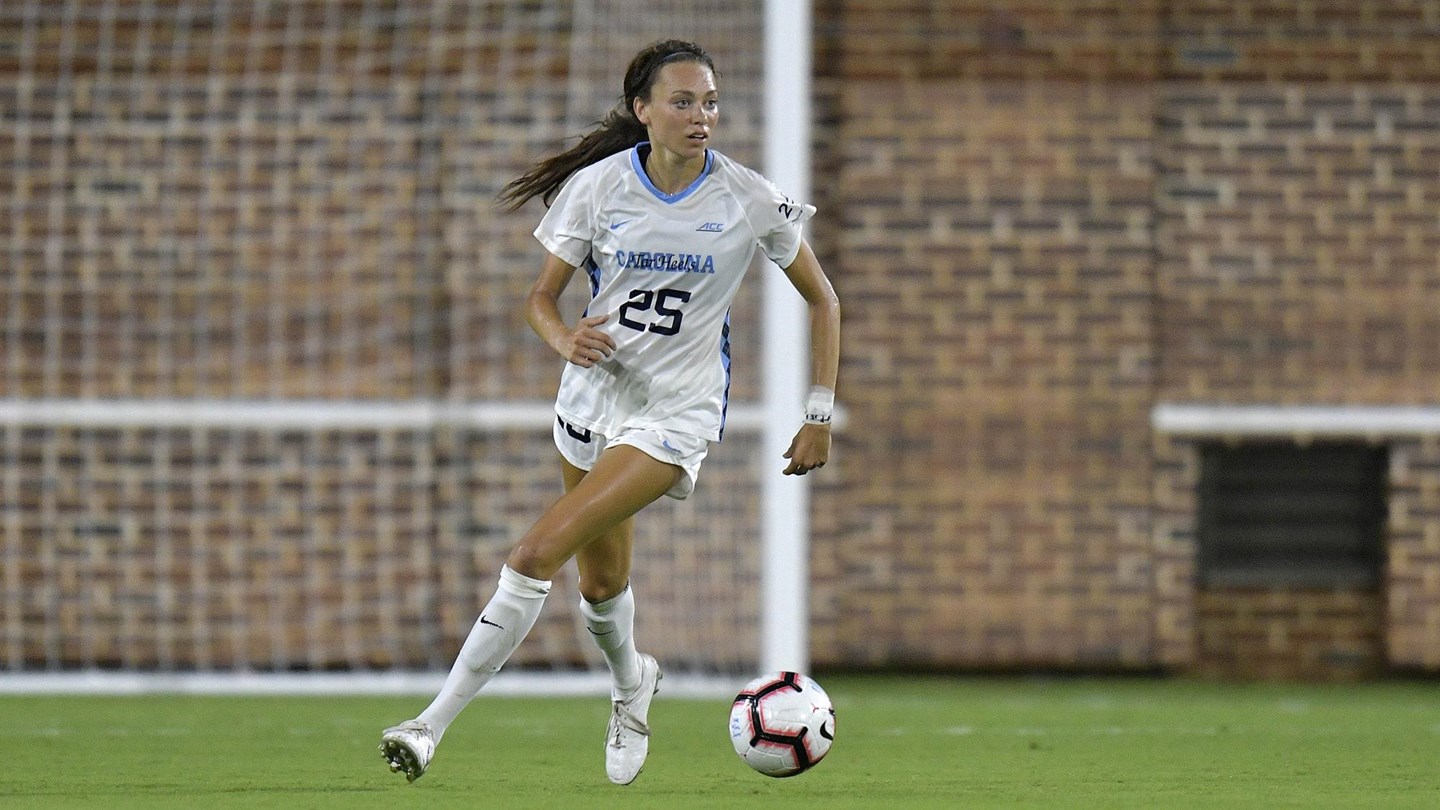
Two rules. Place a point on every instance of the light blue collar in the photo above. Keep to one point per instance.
(639, 167)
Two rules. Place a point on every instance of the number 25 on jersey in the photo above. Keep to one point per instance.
(663, 303)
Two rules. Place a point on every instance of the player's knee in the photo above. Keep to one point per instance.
(596, 588)
(532, 561)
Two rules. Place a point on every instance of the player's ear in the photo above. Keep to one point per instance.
(638, 107)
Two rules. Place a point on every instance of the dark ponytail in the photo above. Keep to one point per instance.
(618, 131)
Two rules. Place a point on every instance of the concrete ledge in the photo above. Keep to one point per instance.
(1372, 423)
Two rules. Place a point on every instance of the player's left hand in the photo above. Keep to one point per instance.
(809, 450)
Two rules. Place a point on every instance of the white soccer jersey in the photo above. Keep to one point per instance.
(665, 268)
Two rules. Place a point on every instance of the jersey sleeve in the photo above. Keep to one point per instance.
(777, 219)
(567, 229)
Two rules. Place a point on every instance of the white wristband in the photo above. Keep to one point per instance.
(819, 405)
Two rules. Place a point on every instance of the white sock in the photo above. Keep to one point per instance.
(502, 625)
(612, 625)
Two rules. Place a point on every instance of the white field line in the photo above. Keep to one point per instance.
(505, 684)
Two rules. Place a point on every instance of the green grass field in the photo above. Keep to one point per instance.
(900, 742)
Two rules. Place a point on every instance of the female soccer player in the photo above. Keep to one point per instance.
(665, 228)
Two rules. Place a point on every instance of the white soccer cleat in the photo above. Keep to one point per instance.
(408, 748)
(627, 740)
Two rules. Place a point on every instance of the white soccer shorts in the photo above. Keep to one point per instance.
(582, 448)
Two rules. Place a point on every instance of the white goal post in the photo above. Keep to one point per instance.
(785, 500)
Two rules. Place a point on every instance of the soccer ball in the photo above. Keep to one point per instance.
(782, 724)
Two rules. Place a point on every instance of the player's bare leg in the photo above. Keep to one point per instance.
(623, 481)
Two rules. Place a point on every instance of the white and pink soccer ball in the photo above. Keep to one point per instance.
(782, 724)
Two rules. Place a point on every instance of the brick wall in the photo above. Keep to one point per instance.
(279, 201)
(1283, 159)
(1175, 503)
(994, 256)
(1412, 599)
(1289, 633)
(1295, 224)
(1297, 265)
(1297, 242)
(1308, 41)
(254, 549)
(1042, 219)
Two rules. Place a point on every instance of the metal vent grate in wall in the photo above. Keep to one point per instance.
(1285, 514)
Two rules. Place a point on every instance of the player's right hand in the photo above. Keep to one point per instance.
(586, 345)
